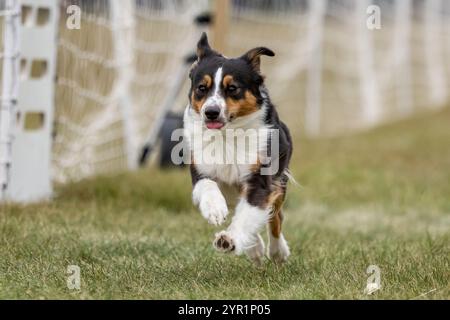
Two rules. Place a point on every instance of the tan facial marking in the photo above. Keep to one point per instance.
(227, 80)
(198, 104)
(242, 107)
(207, 80)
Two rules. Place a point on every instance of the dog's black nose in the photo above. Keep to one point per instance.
(212, 113)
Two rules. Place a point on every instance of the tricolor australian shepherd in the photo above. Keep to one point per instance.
(228, 96)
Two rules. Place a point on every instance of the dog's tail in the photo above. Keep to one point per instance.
(291, 178)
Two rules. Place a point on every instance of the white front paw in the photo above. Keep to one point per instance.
(214, 209)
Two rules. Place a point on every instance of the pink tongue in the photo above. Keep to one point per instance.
(214, 125)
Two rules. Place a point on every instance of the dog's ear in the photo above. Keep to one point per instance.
(203, 48)
(191, 69)
(253, 56)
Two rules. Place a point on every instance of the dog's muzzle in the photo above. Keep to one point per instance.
(212, 117)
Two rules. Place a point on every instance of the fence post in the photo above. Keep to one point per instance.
(220, 26)
(433, 52)
(370, 100)
(402, 55)
(30, 178)
(123, 24)
(314, 84)
(10, 78)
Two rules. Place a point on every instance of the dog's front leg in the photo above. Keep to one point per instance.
(208, 197)
(243, 233)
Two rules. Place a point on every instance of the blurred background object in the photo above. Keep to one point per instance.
(115, 75)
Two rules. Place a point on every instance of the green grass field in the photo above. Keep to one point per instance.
(381, 197)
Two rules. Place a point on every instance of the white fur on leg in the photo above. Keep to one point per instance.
(256, 253)
(212, 204)
(245, 226)
(278, 248)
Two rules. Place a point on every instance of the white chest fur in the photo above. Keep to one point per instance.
(226, 155)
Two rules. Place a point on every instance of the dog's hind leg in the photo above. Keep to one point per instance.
(256, 253)
(278, 247)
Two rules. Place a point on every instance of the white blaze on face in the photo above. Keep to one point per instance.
(216, 99)
(217, 81)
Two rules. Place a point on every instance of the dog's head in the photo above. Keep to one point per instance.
(223, 89)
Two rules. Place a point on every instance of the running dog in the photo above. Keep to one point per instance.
(229, 95)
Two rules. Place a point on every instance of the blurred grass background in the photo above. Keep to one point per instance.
(380, 197)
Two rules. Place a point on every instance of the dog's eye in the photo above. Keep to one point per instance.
(232, 89)
(201, 88)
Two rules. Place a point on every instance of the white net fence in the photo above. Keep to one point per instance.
(113, 76)
(334, 74)
(331, 74)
